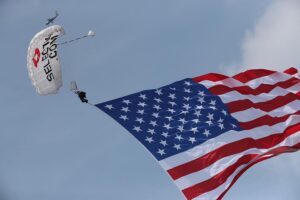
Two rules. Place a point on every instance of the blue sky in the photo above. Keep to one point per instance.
(54, 147)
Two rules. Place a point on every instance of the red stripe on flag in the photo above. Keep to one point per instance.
(277, 102)
(291, 71)
(275, 152)
(252, 74)
(243, 77)
(230, 149)
(263, 88)
(210, 184)
(210, 77)
(265, 120)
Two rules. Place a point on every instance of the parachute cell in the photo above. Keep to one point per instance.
(43, 61)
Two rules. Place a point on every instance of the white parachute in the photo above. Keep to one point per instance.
(43, 61)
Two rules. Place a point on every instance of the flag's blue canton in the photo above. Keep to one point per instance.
(173, 118)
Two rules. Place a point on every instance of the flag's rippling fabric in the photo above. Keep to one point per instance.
(207, 131)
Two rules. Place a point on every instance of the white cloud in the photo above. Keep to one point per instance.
(275, 41)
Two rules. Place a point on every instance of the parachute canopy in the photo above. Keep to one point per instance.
(43, 61)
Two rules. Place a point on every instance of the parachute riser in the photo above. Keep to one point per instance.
(73, 40)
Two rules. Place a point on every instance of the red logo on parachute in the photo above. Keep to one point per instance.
(36, 57)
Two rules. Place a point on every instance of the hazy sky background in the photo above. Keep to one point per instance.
(55, 148)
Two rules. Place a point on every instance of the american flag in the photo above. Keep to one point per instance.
(205, 132)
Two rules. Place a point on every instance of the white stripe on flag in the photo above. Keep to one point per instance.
(226, 138)
(278, 91)
(231, 82)
(222, 164)
(252, 113)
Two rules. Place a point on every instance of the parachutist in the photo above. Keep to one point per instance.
(82, 96)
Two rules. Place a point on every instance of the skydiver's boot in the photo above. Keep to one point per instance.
(84, 100)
